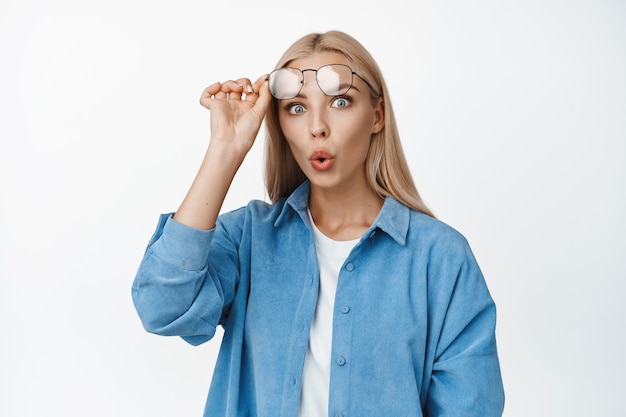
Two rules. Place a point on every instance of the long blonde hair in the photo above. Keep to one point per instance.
(386, 168)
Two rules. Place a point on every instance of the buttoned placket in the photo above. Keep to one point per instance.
(345, 297)
(300, 334)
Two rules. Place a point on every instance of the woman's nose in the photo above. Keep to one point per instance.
(317, 102)
(318, 125)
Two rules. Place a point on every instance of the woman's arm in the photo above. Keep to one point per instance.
(466, 378)
(237, 110)
(186, 281)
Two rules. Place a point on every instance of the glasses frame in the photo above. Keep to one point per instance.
(302, 71)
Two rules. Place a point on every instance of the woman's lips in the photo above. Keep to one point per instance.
(321, 160)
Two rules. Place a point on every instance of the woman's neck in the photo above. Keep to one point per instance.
(344, 215)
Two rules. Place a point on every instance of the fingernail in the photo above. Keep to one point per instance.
(249, 88)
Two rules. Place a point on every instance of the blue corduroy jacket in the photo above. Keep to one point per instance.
(413, 324)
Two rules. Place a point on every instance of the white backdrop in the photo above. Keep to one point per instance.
(512, 113)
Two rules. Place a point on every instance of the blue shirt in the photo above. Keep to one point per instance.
(413, 326)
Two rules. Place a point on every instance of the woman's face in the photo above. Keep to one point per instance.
(330, 136)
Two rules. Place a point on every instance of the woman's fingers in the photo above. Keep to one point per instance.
(253, 90)
(239, 89)
(209, 93)
(261, 96)
(231, 89)
(244, 87)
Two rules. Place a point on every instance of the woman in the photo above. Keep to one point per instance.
(344, 296)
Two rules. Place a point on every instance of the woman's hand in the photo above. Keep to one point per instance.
(237, 110)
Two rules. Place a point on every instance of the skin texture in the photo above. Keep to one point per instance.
(342, 203)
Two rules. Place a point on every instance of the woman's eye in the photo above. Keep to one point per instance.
(341, 102)
(296, 109)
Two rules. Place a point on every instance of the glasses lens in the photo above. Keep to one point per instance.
(285, 83)
(335, 79)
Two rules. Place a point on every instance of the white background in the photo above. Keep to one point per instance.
(512, 113)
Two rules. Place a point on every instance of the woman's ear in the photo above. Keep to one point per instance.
(379, 116)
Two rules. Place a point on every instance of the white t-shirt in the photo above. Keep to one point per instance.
(331, 254)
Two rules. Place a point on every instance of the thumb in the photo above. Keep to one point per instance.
(264, 96)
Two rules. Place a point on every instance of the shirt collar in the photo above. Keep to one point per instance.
(393, 218)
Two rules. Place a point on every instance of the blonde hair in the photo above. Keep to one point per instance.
(386, 168)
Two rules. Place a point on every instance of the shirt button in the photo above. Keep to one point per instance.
(345, 309)
(341, 361)
(350, 267)
(338, 415)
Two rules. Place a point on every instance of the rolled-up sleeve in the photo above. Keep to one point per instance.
(173, 292)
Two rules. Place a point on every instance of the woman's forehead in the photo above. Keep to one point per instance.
(319, 59)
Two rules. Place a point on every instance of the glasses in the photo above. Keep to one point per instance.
(333, 80)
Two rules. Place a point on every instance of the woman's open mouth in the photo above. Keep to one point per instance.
(321, 160)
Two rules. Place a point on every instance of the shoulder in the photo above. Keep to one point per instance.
(431, 228)
(439, 237)
(448, 255)
(417, 230)
(258, 213)
(255, 212)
